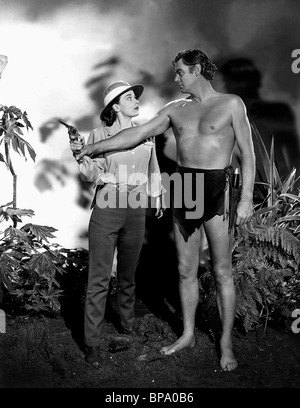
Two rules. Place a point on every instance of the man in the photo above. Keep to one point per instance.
(206, 126)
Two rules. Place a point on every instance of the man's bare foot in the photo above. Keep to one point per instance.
(181, 343)
(228, 361)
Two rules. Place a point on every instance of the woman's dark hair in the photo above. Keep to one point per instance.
(191, 57)
(109, 115)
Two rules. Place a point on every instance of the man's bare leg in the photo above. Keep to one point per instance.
(188, 262)
(221, 255)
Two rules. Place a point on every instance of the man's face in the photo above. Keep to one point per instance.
(184, 78)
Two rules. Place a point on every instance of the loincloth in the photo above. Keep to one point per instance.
(214, 187)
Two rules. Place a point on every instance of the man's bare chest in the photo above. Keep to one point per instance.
(203, 120)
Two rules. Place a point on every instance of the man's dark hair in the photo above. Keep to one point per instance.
(191, 57)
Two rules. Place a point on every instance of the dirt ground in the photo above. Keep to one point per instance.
(46, 353)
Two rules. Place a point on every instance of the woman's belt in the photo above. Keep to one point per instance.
(118, 188)
(123, 187)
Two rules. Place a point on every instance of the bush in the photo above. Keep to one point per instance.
(28, 265)
(29, 268)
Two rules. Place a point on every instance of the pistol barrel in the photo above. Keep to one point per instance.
(71, 129)
(64, 123)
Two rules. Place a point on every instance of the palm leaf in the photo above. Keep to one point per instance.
(271, 200)
(289, 183)
(265, 157)
(291, 196)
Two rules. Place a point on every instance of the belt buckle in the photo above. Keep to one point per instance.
(128, 187)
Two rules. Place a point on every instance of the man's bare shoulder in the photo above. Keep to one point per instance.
(233, 100)
(232, 104)
(177, 103)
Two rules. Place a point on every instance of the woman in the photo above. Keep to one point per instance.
(122, 181)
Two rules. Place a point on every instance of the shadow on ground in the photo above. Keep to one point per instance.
(44, 353)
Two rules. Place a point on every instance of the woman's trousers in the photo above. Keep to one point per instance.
(123, 228)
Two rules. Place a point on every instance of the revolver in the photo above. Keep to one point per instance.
(74, 135)
(72, 131)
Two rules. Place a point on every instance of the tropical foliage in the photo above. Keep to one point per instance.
(28, 266)
(11, 123)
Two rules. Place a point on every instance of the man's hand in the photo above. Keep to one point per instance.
(160, 206)
(86, 150)
(244, 211)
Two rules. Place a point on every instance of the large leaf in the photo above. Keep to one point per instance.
(8, 263)
(40, 232)
(26, 121)
(8, 266)
(16, 111)
(15, 233)
(19, 212)
(17, 129)
(41, 263)
(18, 144)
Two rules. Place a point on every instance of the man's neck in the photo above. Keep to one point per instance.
(203, 90)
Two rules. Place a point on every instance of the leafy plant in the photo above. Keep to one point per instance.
(28, 264)
(29, 267)
(11, 124)
(266, 263)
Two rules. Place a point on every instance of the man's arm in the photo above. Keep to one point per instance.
(242, 131)
(130, 137)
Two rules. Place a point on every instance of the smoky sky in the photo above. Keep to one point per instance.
(265, 30)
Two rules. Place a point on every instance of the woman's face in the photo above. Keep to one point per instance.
(128, 104)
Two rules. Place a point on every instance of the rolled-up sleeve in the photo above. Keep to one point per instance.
(91, 168)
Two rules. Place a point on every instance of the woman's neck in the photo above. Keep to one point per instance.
(123, 122)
